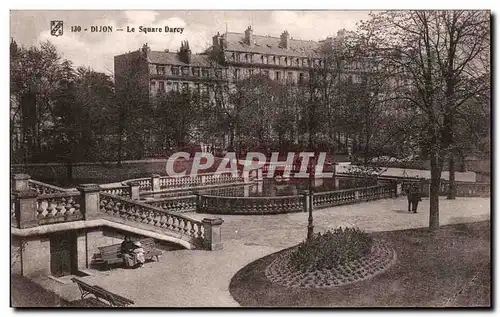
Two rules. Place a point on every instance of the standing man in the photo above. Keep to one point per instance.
(414, 196)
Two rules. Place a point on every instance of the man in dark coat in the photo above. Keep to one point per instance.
(414, 196)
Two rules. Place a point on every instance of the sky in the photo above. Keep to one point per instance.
(31, 27)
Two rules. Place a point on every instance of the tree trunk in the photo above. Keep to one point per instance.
(434, 192)
(451, 168)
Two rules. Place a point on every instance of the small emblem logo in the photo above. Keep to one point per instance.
(56, 28)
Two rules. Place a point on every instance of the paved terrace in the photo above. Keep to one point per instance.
(201, 278)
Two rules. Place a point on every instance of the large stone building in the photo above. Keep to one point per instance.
(232, 57)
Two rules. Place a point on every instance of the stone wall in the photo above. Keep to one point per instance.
(30, 256)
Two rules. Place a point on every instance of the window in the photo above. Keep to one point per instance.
(185, 71)
(266, 72)
(205, 72)
(176, 86)
(246, 58)
(233, 57)
(153, 86)
(297, 62)
(278, 76)
(274, 59)
(264, 59)
(236, 74)
(185, 86)
(218, 73)
(175, 71)
(290, 76)
(160, 70)
(301, 77)
(237, 57)
(161, 86)
(196, 71)
(197, 87)
(250, 72)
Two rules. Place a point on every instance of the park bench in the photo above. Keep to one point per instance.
(112, 254)
(100, 293)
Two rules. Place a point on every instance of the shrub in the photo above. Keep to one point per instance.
(328, 250)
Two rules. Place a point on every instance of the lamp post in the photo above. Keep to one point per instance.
(310, 226)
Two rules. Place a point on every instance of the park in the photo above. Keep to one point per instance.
(258, 171)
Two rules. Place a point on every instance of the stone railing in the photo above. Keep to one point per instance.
(134, 211)
(157, 183)
(250, 205)
(43, 188)
(348, 196)
(58, 207)
(122, 191)
(89, 202)
(198, 180)
(176, 204)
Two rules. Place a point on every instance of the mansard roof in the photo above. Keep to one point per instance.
(172, 58)
(271, 45)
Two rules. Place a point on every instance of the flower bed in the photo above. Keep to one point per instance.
(379, 258)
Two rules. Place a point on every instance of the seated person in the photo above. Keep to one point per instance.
(132, 252)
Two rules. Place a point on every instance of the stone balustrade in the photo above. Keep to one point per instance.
(176, 204)
(58, 207)
(348, 196)
(43, 188)
(157, 183)
(122, 191)
(140, 212)
(250, 205)
(31, 209)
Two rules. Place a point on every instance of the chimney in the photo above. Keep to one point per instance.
(185, 52)
(215, 40)
(249, 35)
(285, 37)
(146, 50)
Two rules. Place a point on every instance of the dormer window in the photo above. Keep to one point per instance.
(205, 72)
(175, 71)
(160, 70)
(185, 71)
(196, 71)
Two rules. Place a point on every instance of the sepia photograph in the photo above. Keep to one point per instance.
(238, 158)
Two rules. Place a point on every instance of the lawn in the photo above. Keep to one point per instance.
(448, 268)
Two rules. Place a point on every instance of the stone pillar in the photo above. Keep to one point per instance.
(21, 182)
(155, 183)
(89, 200)
(25, 204)
(81, 250)
(356, 194)
(35, 258)
(134, 190)
(246, 190)
(213, 240)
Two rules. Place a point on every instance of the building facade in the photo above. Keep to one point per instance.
(232, 57)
